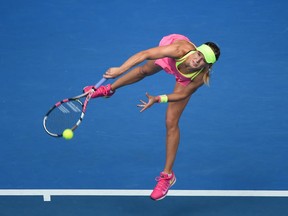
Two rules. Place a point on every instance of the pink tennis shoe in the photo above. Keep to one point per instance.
(102, 91)
(165, 182)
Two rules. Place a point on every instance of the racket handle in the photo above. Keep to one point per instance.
(100, 82)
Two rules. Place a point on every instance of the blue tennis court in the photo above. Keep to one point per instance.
(232, 158)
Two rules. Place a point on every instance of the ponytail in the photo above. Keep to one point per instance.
(206, 77)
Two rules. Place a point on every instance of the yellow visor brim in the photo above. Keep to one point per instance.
(208, 53)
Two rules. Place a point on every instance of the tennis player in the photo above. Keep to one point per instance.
(189, 64)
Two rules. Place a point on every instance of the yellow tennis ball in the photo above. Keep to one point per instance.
(68, 134)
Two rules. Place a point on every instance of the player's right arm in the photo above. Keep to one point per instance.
(175, 50)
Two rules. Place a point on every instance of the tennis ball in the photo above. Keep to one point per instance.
(68, 134)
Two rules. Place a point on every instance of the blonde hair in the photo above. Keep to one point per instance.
(206, 77)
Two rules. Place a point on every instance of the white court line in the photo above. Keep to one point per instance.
(80, 192)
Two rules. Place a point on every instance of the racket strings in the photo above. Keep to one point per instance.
(64, 116)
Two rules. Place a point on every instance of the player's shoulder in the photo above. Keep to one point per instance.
(182, 47)
(184, 43)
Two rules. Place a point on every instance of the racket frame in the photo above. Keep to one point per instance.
(84, 104)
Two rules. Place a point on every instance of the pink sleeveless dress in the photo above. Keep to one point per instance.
(169, 64)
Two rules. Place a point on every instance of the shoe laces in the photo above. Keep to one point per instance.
(163, 183)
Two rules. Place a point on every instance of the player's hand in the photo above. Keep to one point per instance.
(145, 105)
(112, 73)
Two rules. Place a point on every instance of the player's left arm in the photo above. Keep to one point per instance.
(178, 95)
(187, 91)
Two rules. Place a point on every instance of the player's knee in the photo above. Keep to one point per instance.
(142, 71)
(171, 123)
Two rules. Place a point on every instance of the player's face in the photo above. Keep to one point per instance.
(197, 60)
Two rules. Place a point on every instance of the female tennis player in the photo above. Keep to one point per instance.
(189, 64)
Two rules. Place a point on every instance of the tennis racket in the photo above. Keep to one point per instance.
(68, 113)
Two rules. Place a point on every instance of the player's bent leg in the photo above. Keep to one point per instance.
(131, 77)
(136, 74)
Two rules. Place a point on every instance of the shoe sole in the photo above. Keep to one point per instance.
(166, 193)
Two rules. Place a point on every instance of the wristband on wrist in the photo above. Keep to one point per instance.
(162, 98)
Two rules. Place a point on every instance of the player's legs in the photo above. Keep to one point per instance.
(173, 115)
(136, 74)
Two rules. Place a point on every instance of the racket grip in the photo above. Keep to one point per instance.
(100, 82)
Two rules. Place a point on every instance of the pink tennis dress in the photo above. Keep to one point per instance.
(169, 64)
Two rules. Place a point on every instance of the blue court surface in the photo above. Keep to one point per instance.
(232, 158)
